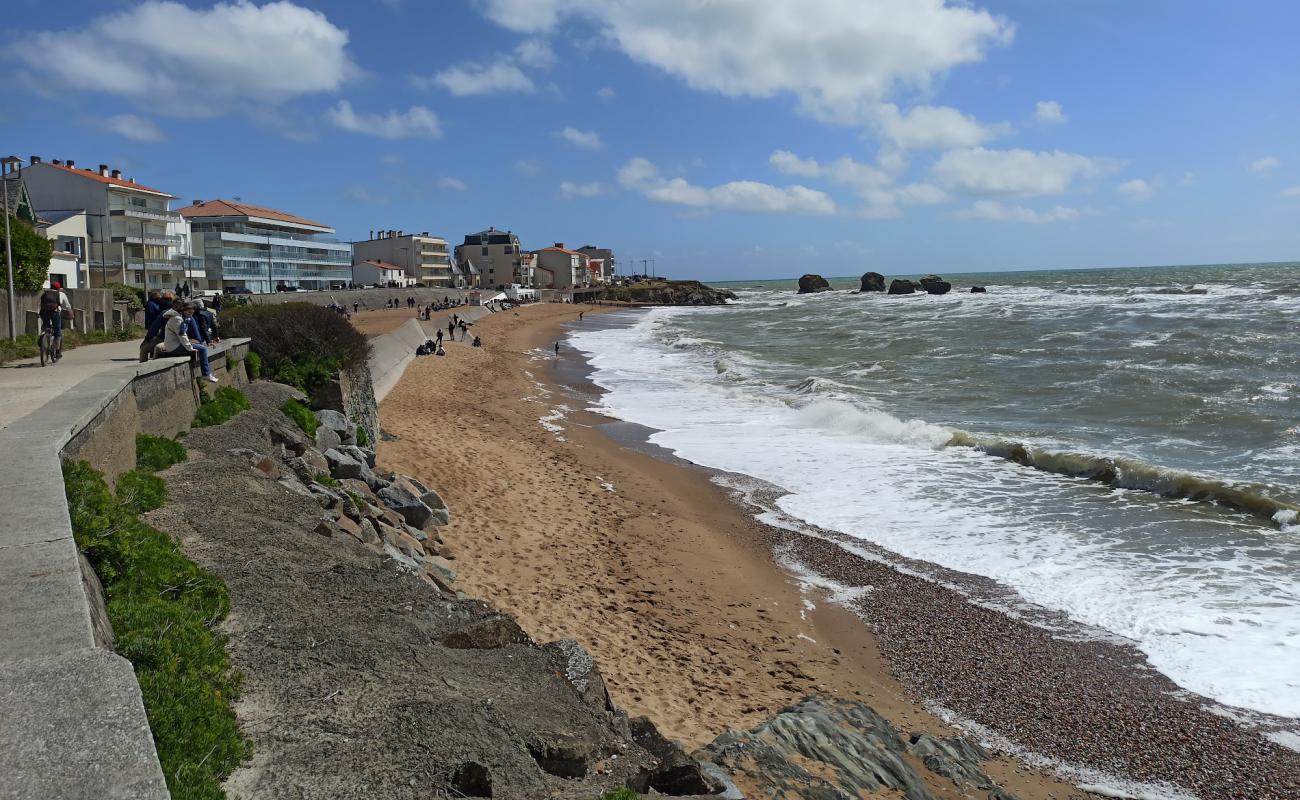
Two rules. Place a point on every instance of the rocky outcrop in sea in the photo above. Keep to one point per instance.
(808, 284)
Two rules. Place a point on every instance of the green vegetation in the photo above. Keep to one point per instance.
(156, 453)
(122, 293)
(164, 610)
(621, 793)
(357, 500)
(363, 438)
(31, 254)
(300, 344)
(215, 409)
(254, 362)
(25, 347)
(139, 491)
(301, 416)
(326, 480)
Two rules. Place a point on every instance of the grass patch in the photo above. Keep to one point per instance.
(301, 415)
(164, 609)
(357, 500)
(621, 793)
(363, 438)
(157, 453)
(326, 480)
(220, 406)
(254, 363)
(140, 491)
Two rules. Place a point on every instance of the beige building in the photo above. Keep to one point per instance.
(492, 259)
(561, 268)
(424, 259)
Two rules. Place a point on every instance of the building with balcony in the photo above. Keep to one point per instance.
(259, 249)
(424, 259)
(606, 258)
(135, 236)
(69, 233)
(491, 259)
(561, 268)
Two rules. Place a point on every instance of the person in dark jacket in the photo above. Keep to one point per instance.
(152, 308)
(154, 336)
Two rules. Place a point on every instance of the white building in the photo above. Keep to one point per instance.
(424, 259)
(70, 235)
(365, 273)
(135, 237)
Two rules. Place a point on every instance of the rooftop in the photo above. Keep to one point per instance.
(232, 208)
(92, 175)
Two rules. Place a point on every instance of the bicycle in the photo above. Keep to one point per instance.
(47, 344)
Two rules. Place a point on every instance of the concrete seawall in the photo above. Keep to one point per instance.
(392, 352)
(74, 724)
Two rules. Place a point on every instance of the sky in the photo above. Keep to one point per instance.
(725, 139)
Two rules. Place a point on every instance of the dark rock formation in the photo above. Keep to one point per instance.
(873, 282)
(935, 285)
(808, 284)
(901, 286)
(677, 773)
(978, 290)
(830, 749)
(668, 293)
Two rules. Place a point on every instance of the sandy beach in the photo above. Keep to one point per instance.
(667, 582)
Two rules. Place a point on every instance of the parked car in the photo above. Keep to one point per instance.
(238, 290)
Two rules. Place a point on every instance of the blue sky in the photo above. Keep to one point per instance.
(725, 139)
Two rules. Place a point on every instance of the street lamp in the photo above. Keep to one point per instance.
(7, 165)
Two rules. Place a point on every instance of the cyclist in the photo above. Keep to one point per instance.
(53, 303)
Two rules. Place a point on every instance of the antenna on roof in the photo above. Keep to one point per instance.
(238, 199)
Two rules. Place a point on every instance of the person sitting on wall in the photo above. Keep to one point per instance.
(154, 335)
(177, 341)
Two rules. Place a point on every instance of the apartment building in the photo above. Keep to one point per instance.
(561, 268)
(135, 236)
(69, 233)
(425, 259)
(606, 258)
(492, 259)
(260, 248)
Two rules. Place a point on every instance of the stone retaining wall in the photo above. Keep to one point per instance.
(74, 722)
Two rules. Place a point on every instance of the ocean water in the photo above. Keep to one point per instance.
(1122, 446)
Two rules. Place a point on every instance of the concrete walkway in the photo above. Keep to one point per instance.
(25, 385)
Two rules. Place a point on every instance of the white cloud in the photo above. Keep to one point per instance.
(570, 190)
(390, 159)
(528, 168)
(1049, 112)
(417, 122)
(873, 184)
(468, 80)
(1264, 164)
(1290, 191)
(195, 63)
(840, 58)
(922, 194)
(587, 140)
(979, 171)
(605, 93)
(454, 184)
(932, 127)
(993, 211)
(1136, 189)
(133, 127)
(743, 196)
(791, 164)
(535, 53)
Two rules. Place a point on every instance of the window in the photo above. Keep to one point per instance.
(137, 202)
(508, 250)
(485, 251)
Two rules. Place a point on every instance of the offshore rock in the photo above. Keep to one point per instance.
(808, 284)
(978, 290)
(935, 285)
(820, 749)
(901, 286)
(669, 293)
(873, 282)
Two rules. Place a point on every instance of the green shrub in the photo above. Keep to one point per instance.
(301, 415)
(31, 256)
(254, 363)
(363, 438)
(300, 344)
(326, 480)
(156, 453)
(621, 793)
(164, 610)
(357, 500)
(215, 409)
(122, 293)
(140, 491)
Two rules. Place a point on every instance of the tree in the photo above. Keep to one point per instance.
(32, 253)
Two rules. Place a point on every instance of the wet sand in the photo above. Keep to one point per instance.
(666, 580)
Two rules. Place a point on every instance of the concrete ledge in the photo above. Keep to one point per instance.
(391, 353)
(74, 728)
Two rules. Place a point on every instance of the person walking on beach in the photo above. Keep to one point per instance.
(557, 349)
(438, 340)
(451, 330)
(580, 313)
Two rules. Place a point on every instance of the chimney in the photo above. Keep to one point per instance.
(36, 159)
(58, 163)
(560, 245)
(197, 203)
(71, 164)
(117, 173)
(103, 170)
(372, 233)
(130, 180)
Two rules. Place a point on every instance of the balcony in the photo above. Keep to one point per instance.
(156, 239)
(156, 215)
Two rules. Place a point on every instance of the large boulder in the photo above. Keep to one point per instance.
(873, 282)
(901, 286)
(338, 423)
(327, 438)
(361, 454)
(935, 285)
(978, 290)
(343, 465)
(809, 284)
(404, 502)
(677, 774)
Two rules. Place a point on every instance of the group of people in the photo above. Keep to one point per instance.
(179, 327)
